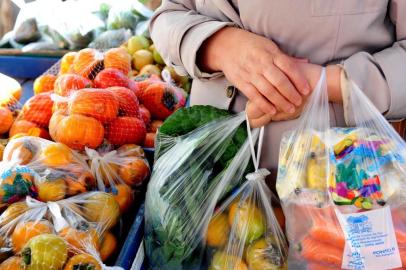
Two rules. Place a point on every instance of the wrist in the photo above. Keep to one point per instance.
(334, 83)
(209, 56)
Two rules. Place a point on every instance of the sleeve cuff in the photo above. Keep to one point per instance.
(191, 42)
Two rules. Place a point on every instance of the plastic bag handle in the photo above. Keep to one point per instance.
(255, 157)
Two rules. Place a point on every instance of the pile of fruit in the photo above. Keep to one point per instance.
(71, 157)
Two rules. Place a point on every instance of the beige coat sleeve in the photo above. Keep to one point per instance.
(178, 31)
(382, 76)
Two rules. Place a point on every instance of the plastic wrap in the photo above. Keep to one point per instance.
(42, 169)
(64, 234)
(244, 232)
(345, 186)
(196, 173)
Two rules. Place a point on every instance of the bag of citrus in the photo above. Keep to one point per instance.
(42, 169)
(244, 233)
(72, 227)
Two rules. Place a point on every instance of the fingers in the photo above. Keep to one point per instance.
(257, 98)
(255, 116)
(265, 87)
(288, 67)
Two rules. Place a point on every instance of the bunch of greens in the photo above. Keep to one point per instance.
(179, 193)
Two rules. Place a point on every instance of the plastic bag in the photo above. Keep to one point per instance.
(75, 228)
(244, 232)
(188, 181)
(344, 185)
(125, 166)
(42, 169)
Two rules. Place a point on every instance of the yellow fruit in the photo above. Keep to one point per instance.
(56, 154)
(12, 212)
(265, 254)
(45, 252)
(247, 220)
(223, 261)
(218, 230)
(102, 208)
(81, 237)
(316, 173)
(150, 69)
(137, 43)
(53, 189)
(142, 58)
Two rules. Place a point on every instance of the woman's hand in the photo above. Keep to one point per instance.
(312, 72)
(270, 79)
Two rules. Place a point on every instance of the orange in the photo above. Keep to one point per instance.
(24, 231)
(66, 62)
(44, 83)
(6, 120)
(56, 154)
(217, 231)
(79, 238)
(124, 197)
(134, 172)
(108, 246)
(82, 261)
(12, 263)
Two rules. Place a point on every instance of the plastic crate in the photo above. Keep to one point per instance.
(28, 67)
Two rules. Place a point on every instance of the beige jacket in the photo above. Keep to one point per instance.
(367, 36)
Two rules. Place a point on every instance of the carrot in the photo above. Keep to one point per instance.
(316, 251)
(400, 237)
(319, 266)
(329, 234)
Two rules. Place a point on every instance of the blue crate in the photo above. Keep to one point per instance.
(29, 67)
(133, 241)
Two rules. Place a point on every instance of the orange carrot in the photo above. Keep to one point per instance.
(329, 234)
(316, 251)
(319, 266)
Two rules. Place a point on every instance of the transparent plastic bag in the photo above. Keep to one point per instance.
(244, 232)
(189, 179)
(125, 166)
(42, 169)
(344, 185)
(68, 233)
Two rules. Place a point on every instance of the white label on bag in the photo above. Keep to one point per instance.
(370, 240)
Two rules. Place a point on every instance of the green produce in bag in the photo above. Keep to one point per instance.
(192, 176)
(345, 185)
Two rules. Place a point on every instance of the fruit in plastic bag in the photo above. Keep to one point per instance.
(222, 261)
(149, 140)
(12, 212)
(110, 77)
(38, 109)
(21, 151)
(21, 127)
(124, 196)
(118, 58)
(67, 83)
(145, 115)
(76, 131)
(248, 220)
(102, 208)
(45, 252)
(6, 120)
(11, 91)
(108, 246)
(26, 230)
(16, 183)
(134, 172)
(145, 80)
(12, 263)
(264, 254)
(44, 83)
(51, 187)
(82, 261)
(218, 231)
(80, 237)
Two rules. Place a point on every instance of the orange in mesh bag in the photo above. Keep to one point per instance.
(59, 235)
(42, 169)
